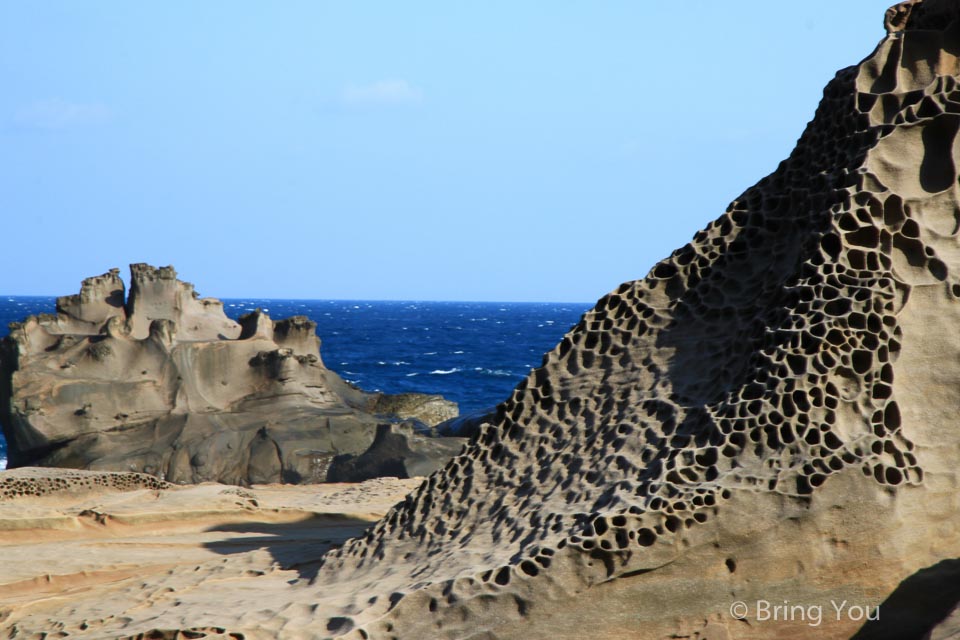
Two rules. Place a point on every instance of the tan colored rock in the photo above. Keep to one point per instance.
(30, 483)
(758, 440)
(165, 383)
(769, 417)
(397, 451)
(80, 547)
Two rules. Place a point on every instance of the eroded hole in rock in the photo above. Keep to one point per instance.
(938, 171)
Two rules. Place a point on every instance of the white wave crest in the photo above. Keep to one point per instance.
(495, 372)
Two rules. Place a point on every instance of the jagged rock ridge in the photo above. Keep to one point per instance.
(163, 382)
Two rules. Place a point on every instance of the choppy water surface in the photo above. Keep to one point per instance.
(471, 352)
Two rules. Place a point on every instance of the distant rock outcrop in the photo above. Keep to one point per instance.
(162, 382)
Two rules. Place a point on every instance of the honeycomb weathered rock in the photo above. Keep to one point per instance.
(771, 412)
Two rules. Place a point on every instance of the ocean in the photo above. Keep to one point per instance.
(473, 353)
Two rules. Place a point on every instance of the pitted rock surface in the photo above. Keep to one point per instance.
(793, 373)
(36, 483)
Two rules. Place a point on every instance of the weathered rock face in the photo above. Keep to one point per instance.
(162, 382)
(770, 415)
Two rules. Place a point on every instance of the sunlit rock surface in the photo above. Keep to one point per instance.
(160, 381)
(770, 416)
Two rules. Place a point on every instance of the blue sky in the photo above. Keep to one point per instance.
(374, 150)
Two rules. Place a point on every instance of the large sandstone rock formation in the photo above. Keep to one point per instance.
(162, 382)
(771, 415)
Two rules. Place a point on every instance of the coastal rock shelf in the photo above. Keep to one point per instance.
(100, 542)
(163, 382)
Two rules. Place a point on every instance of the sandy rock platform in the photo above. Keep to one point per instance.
(108, 555)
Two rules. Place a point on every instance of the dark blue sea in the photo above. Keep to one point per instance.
(474, 353)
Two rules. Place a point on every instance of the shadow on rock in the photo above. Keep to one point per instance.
(918, 605)
(295, 546)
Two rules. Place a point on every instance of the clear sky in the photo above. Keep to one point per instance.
(498, 150)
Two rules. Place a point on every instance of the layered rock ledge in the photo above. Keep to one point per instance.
(162, 382)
